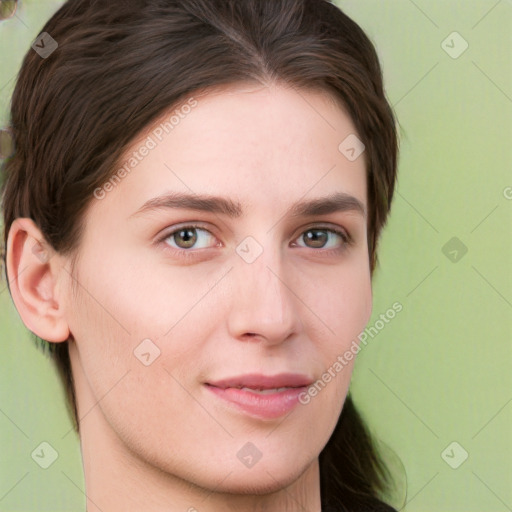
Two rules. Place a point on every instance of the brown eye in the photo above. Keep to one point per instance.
(319, 238)
(189, 237)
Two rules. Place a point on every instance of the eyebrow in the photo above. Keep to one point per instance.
(336, 202)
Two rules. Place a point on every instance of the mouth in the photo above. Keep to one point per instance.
(260, 396)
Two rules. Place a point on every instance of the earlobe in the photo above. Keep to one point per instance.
(33, 270)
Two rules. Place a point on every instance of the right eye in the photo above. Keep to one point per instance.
(186, 238)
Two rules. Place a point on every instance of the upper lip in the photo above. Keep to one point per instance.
(259, 381)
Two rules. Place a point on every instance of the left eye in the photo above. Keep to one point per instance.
(318, 237)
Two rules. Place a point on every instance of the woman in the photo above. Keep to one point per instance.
(191, 223)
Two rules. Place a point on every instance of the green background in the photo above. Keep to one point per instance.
(440, 371)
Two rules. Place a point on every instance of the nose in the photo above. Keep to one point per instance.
(264, 305)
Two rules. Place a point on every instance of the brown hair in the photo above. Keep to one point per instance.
(118, 68)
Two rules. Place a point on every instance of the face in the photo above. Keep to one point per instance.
(174, 299)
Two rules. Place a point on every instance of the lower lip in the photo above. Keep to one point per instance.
(268, 406)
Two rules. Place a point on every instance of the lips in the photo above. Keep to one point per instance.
(260, 396)
(262, 382)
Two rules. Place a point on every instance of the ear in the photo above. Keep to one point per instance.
(33, 270)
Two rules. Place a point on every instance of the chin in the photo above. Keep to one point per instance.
(264, 477)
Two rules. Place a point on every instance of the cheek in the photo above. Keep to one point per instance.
(126, 314)
(338, 309)
(342, 301)
(141, 298)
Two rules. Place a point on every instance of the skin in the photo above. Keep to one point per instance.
(152, 437)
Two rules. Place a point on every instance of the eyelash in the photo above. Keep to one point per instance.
(189, 253)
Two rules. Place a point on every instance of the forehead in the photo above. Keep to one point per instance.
(263, 146)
